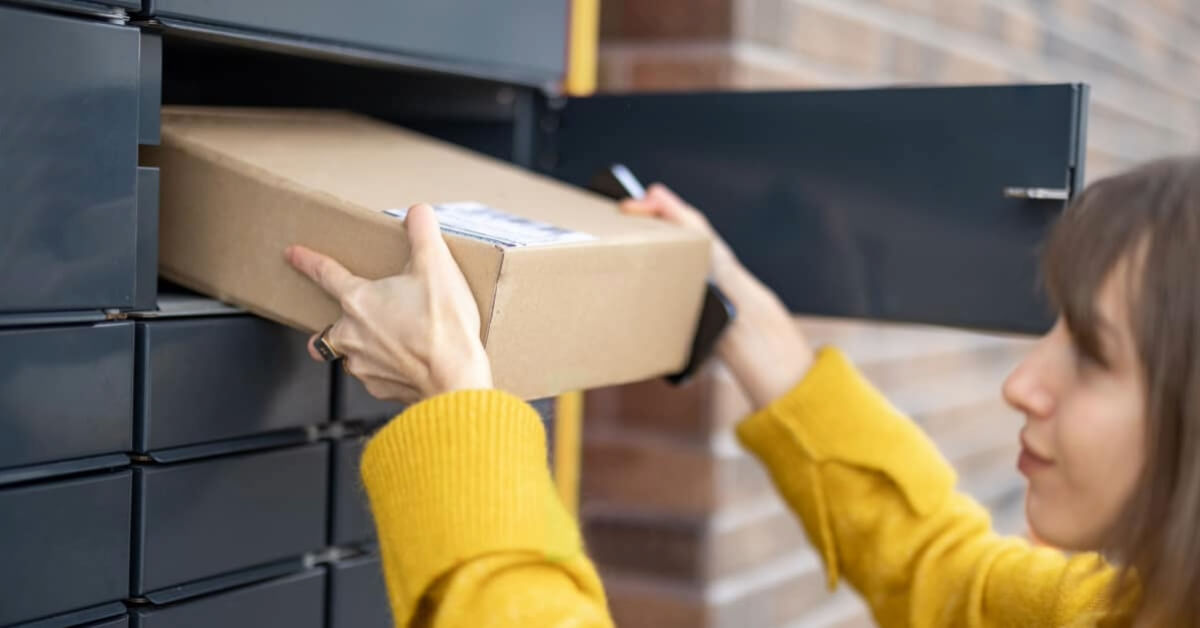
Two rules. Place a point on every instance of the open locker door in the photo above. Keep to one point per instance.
(908, 204)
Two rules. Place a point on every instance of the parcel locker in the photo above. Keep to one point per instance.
(208, 518)
(523, 41)
(70, 119)
(351, 522)
(293, 601)
(352, 402)
(66, 549)
(67, 395)
(118, 622)
(357, 594)
(211, 378)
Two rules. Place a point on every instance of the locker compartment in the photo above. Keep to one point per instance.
(196, 520)
(119, 622)
(68, 394)
(65, 545)
(357, 595)
(220, 377)
(294, 601)
(524, 41)
(351, 521)
(352, 402)
(69, 190)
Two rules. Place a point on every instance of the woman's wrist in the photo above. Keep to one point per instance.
(763, 347)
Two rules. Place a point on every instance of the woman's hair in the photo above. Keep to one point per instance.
(1147, 221)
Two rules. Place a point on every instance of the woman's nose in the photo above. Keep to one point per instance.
(1027, 388)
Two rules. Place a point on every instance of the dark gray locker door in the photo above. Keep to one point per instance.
(65, 545)
(221, 377)
(525, 40)
(351, 521)
(877, 203)
(68, 181)
(120, 622)
(67, 393)
(352, 402)
(201, 519)
(296, 601)
(357, 595)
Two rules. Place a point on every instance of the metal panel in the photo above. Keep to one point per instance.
(67, 394)
(150, 65)
(68, 207)
(351, 521)
(145, 291)
(525, 39)
(199, 519)
(214, 378)
(105, 9)
(65, 545)
(352, 402)
(357, 595)
(878, 203)
(295, 601)
(120, 622)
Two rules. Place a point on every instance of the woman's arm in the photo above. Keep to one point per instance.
(471, 531)
(875, 496)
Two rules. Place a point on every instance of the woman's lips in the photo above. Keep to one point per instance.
(1030, 461)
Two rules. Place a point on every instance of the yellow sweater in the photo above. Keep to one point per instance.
(473, 535)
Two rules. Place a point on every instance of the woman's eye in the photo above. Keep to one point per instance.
(1085, 360)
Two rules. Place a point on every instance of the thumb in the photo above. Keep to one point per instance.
(424, 235)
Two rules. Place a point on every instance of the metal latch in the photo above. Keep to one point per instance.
(1041, 194)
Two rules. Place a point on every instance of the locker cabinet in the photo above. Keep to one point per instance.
(296, 600)
(204, 378)
(522, 42)
(350, 521)
(357, 596)
(66, 548)
(202, 519)
(69, 191)
(69, 394)
(352, 402)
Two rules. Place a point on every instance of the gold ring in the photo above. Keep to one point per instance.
(328, 352)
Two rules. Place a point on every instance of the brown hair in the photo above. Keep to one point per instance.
(1149, 216)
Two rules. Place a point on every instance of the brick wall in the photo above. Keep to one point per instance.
(683, 524)
(1140, 58)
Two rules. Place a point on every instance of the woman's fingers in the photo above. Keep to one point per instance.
(425, 239)
(323, 270)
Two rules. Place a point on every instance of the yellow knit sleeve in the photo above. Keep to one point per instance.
(471, 530)
(878, 501)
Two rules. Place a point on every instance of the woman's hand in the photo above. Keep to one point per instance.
(763, 347)
(410, 336)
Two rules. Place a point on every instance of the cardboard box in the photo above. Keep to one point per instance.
(574, 296)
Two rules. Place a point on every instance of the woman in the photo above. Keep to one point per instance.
(472, 534)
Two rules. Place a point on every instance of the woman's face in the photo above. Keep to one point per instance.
(1084, 426)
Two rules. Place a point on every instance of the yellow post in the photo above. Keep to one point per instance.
(583, 40)
(584, 35)
(568, 432)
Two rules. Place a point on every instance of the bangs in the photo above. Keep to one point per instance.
(1110, 220)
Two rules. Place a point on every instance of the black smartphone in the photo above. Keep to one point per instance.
(617, 182)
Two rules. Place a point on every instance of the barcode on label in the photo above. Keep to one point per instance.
(481, 222)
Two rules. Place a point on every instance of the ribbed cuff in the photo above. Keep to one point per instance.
(458, 476)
